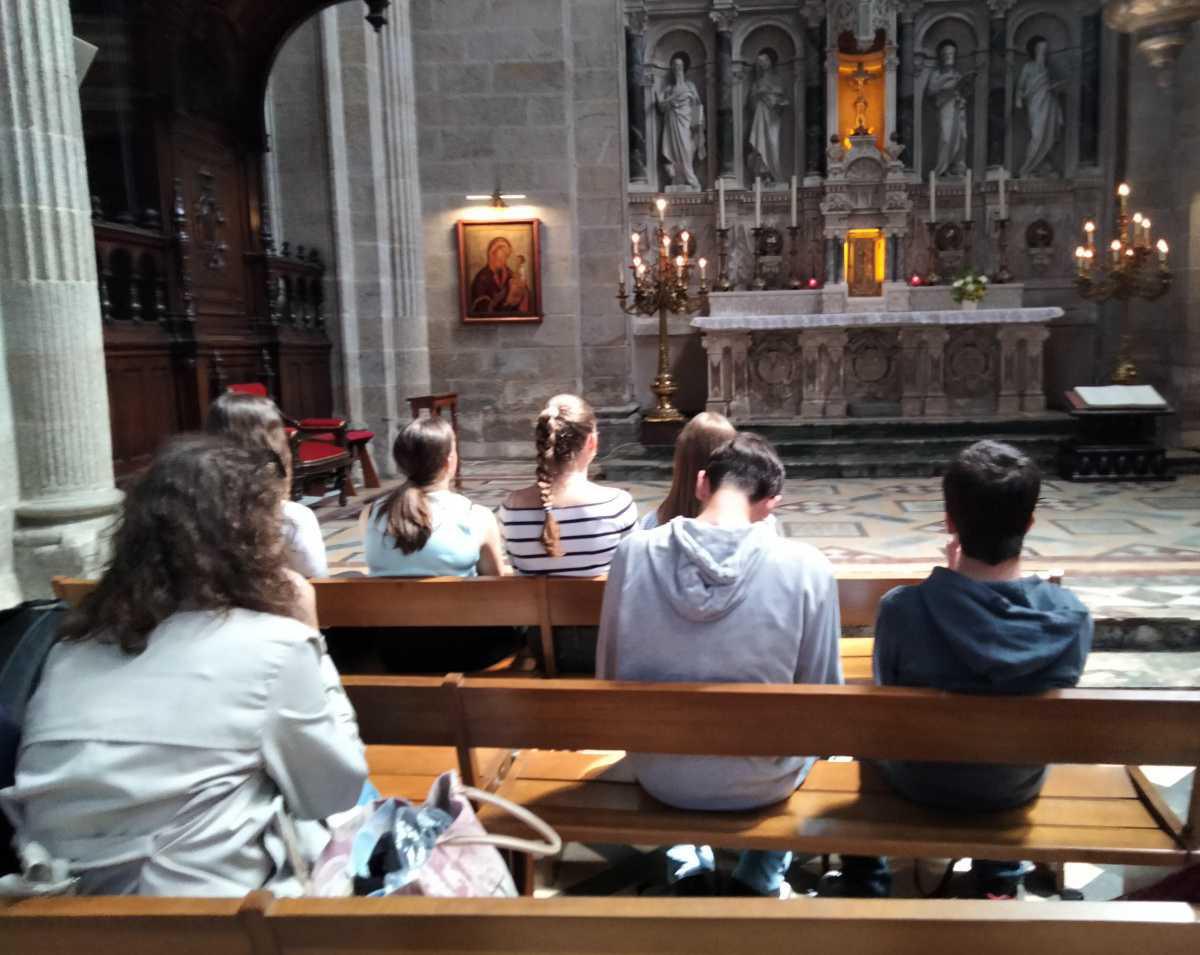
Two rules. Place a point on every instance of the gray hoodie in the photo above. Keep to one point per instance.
(693, 602)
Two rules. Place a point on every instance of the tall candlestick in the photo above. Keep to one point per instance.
(793, 201)
(967, 199)
(932, 196)
(758, 202)
(1003, 194)
(721, 198)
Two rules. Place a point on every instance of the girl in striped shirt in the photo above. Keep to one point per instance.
(565, 525)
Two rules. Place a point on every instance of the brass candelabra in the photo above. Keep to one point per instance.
(1136, 267)
(661, 283)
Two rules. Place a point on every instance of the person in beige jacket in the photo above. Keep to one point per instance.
(189, 716)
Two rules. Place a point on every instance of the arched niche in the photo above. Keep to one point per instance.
(664, 44)
(969, 35)
(769, 37)
(1062, 64)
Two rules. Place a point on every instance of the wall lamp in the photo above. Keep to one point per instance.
(497, 198)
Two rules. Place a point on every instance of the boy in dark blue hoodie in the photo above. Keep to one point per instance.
(977, 626)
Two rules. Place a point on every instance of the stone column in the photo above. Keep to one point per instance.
(922, 371)
(728, 373)
(635, 70)
(1033, 397)
(724, 19)
(997, 128)
(907, 71)
(1010, 339)
(49, 304)
(822, 374)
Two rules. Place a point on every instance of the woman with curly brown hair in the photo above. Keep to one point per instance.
(188, 714)
(565, 525)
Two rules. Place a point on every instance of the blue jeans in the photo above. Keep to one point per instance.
(760, 870)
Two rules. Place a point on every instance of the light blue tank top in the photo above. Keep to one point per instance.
(451, 551)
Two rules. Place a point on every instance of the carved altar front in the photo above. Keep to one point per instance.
(948, 362)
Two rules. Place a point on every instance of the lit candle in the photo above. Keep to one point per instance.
(1081, 259)
(932, 196)
(1089, 230)
(758, 202)
(1123, 192)
(967, 199)
(641, 270)
(1146, 233)
(721, 197)
(703, 263)
(793, 202)
(635, 238)
(1163, 249)
(667, 245)
(1116, 251)
(1003, 194)
(684, 236)
(679, 266)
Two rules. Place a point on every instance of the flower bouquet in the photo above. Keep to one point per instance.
(969, 288)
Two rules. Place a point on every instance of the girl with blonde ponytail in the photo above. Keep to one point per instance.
(565, 524)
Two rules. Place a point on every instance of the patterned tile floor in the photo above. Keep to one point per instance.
(1128, 550)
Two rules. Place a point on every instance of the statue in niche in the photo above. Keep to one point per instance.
(1036, 94)
(947, 88)
(683, 124)
(766, 104)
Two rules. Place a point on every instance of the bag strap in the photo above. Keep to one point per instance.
(552, 844)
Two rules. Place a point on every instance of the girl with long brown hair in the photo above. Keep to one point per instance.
(255, 422)
(565, 524)
(188, 709)
(422, 528)
(696, 442)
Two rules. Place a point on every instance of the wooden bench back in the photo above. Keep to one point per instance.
(590, 926)
(1155, 727)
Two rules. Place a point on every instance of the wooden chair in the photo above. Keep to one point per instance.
(261, 925)
(572, 732)
(435, 405)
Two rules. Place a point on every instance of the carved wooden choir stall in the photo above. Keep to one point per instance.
(195, 295)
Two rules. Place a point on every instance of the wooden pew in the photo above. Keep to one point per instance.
(542, 602)
(1090, 810)
(260, 925)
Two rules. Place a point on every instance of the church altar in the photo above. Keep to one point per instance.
(781, 355)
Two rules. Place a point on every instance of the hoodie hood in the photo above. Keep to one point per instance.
(1011, 635)
(703, 570)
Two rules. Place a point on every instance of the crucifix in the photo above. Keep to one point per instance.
(859, 80)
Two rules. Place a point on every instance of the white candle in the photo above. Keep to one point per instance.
(621, 276)
(967, 199)
(1003, 194)
(757, 202)
(793, 202)
(661, 205)
(932, 196)
(721, 196)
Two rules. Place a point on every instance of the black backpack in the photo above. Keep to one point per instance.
(27, 632)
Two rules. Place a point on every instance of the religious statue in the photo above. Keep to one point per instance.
(683, 124)
(946, 88)
(766, 104)
(1043, 111)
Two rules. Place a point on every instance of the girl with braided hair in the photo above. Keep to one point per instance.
(566, 525)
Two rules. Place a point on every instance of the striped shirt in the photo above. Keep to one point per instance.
(589, 534)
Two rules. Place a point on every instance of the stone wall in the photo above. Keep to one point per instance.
(524, 94)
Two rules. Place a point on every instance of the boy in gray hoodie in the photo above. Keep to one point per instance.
(977, 626)
(723, 598)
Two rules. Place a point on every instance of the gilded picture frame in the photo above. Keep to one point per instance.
(500, 271)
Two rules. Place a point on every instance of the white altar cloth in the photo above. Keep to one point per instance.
(982, 316)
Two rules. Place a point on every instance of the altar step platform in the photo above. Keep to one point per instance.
(873, 447)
